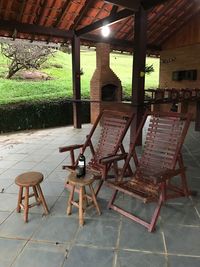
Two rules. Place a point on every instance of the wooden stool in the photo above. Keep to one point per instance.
(26, 180)
(87, 180)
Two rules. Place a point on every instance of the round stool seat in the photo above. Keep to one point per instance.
(29, 179)
(82, 181)
(25, 181)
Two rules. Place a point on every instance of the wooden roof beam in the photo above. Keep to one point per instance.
(135, 4)
(102, 22)
(161, 12)
(132, 5)
(35, 29)
(175, 28)
(82, 12)
(116, 42)
(155, 30)
(40, 16)
(114, 10)
(22, 8)
(62, 14)
(150, 4)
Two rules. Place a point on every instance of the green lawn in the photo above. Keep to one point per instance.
(60, 86)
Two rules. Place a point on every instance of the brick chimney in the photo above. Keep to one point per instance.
(105, 85)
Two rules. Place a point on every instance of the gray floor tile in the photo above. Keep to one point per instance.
(45, 167)
(15, 227)
(9, 249)
(60, 207)
(50, 200)
(41, 255)
(180, 261)
(57, 229)
(52, 188)
(12, 189)
(22, 165)
(99, 233)
(4, 215)
(5, 183)
(105, 212)
(179, 214)
(138, 259)
(16, 156)
(58, 176)
(2, 170)
(182, 239)
(7, 163)
(89, 257)
(11, 174)
(94, 242)
(135, 236)
(10, 200)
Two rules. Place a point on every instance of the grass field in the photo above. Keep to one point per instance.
(60, 86)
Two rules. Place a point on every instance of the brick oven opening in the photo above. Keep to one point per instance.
(108, 92)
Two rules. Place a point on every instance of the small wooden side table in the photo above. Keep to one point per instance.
(27, 180)
(81, 183)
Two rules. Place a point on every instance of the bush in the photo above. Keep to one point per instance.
(39, 115)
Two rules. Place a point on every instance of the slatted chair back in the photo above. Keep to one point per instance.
(164, 140)
(113, 127)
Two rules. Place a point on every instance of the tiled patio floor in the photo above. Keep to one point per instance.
(108, 240)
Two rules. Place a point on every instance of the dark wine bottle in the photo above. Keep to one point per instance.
(80, 170)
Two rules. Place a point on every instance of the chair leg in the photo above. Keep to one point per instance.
(99, 187)
(71, 197)
(42, 199)
(19, 198)
(183, 177)
(94, 199)
(81, 221)
(112, 198)
(156, 214)
(150, 226)
(26, 204)
(184, 184)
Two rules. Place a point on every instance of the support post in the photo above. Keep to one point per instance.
(197, 120)
(138, 75)
(76, 81)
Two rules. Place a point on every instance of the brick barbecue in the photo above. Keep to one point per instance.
(105, 86)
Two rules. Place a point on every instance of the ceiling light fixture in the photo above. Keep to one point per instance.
(105, 30)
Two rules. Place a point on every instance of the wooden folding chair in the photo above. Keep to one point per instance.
(105, 142)
(161, 160)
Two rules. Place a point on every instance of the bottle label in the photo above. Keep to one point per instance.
(81, 163)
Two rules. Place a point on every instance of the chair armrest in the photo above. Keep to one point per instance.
(167, 174)
(69, 148)
(112, 158)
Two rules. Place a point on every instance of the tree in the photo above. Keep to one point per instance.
(23, 56)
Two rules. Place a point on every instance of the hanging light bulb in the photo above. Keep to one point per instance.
(105, 30)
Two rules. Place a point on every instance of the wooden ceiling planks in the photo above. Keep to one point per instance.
(164, 19)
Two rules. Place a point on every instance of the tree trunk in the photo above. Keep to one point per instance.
(12, 71)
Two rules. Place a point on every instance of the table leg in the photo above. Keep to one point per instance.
(20, 199)
(26, 204)
(71, 197)
(46, 210)
(85, 201)
(81, 221)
